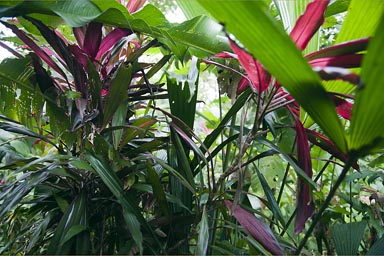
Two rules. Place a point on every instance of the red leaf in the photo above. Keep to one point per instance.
(110, 40)
(243, 83)
(92, 39)
(79, 54)
(256, 228)
(333, 73)
(79, 35)
(305, 205)
(343, 107)
(344, 61)
(308, 23)
(340, 49)
(225, 55)
(34, 47)
(254, 70)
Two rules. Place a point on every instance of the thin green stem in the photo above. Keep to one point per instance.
(331, 194)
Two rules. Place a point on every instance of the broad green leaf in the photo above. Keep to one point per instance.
(203, 239)
(75, 12)
(367, 120)
(361, 21)
(251, 24)
(347, 237)
(377, 248)
(201, 34)
(152, 16)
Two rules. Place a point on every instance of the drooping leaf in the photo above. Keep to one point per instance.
(34, 47)
(256, 228)
(305, 204)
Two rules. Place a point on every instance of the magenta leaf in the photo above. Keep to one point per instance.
(254, 70)
(79, 34)
(344, 61)
(225, 55)
(80, 55)
(35, 48)
(305, 205)
(308, 23)
(64, 52)
(110, 40)
(343, 107)
(243, 83)
(92, 39)
(346, 48)
(334, 73)
(256, 228)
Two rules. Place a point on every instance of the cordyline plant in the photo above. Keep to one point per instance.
(91, 182)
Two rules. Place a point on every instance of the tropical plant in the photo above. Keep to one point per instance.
(101, 153)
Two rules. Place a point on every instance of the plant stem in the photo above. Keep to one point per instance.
(317, 217)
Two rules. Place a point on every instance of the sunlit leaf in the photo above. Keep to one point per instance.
(367, 120)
